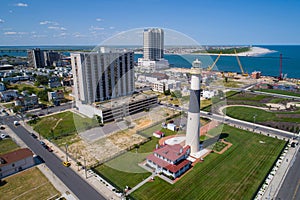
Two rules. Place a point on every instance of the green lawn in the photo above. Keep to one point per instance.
(66, 126)
(23, 86)
(247, 114)
(289, 93)
(7, 145)
(121, 179)
(29, 184)
(235, 174)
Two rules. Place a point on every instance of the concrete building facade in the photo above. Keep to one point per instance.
(102, 76)
(36, 58)
(153, 44)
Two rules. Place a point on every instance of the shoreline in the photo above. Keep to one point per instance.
(254, 51)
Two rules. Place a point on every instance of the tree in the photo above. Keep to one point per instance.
(99, 119)
(43, 95)
(176, 93)
(41, 80)
(167, 92)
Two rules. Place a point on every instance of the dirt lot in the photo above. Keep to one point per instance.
(113, 144)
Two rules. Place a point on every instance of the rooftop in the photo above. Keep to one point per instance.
(172, 152)
(116, 102)
(14, 156)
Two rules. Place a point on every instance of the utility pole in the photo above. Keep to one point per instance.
(67, 152)
(85, 168)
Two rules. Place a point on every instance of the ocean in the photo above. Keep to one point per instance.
(268, 64)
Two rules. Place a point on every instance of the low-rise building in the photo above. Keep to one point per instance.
(13, 162)
(256, 75)
(57, 95)
(163, 85)
(171, 160)
(208, 94)
(27, 101)
(2, 87)
(8, 95)
(158, 134)
(54, 82)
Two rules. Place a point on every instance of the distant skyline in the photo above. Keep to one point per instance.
(216, 22)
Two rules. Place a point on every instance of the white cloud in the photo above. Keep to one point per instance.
(94, 28)
(112, 27)
(57, 28)
(10, 33)
(1, 21)
(48, 22)
(21, 4)
(99, 20)
(15, 33)
(39, 36)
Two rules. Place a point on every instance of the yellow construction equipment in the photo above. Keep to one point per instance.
(212, 66)
(240, 64)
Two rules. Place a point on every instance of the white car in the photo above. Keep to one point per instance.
(16, 123)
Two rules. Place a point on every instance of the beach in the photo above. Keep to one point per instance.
(254, 51)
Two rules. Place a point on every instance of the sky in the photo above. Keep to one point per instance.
(90, 22)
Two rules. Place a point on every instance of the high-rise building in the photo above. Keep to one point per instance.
(153, 58)
(51, 57)
(36, 58)
(101, 76)
(153, 44)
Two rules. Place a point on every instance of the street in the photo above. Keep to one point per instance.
(73, 181)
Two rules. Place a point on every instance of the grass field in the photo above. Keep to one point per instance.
(7, 145)
(121, 179)
(29, 184)
(63, 126)
(289, 93)
(247, 114)
(235, 174)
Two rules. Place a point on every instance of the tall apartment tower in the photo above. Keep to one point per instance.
(101, 76)
(36, 58)
(51, 57)
(153, 44)
(193, 121)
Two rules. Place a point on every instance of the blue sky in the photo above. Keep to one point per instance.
(215, 22)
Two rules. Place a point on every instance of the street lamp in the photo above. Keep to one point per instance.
(254, 117)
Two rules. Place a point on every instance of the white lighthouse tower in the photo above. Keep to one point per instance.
(193, 120)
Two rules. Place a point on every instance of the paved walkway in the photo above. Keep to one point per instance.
(141, 183)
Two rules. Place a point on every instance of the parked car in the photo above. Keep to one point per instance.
(3, 136)
(48, 148)
(33, 135)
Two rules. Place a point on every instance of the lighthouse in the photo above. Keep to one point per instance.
(193, 120)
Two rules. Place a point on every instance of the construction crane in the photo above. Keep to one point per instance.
(212, 66)
(240, 64)
(280, 77)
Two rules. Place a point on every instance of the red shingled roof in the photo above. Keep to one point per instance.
(166, 165)
(159, 133)
(172, 152)
(15, 156)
